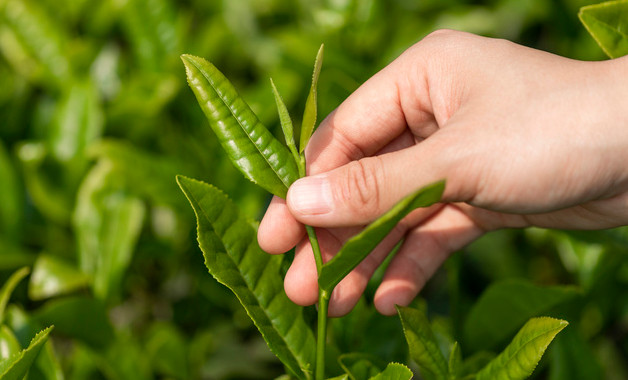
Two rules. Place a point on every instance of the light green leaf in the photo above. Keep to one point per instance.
(455, 361)
(52, 276)
(360, 366)
(8, 287)
(108, 221)
(505, 306)
(17, 367)
(286, 121)
(423, 346)
(359, 246)
(394, 371)
(249, 145)
(81, 318)
(311, 106)
(608, 24)
(234, 258)
(522, 355)
(9, 345)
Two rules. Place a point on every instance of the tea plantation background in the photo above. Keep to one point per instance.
(96, 120)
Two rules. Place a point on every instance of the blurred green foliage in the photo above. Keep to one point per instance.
(96, 121)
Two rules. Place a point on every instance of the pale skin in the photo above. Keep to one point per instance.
(523, 138)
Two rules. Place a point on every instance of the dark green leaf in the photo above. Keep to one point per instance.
(394, 371)
(522, 355)
(572, 358)
(360, 366)
(505, 306)
(48, 364)
(8, 287)
(424, 348)
(17, 367)
(311, 106)
(233, 257)
(81, 318)
(608, 24)
(359, 246)
(10, 197)
(249, 145)
(52, 276)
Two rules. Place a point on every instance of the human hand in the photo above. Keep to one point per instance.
(523, 137)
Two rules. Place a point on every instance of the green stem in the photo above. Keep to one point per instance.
(321, 337)
(318, 256)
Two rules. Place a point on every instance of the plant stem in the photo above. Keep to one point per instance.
(321, 336)
(318, 256)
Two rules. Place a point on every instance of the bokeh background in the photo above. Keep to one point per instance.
(96, 120)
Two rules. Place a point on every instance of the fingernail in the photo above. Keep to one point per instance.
(311, 196)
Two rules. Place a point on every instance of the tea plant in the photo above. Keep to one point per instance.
(233, 257)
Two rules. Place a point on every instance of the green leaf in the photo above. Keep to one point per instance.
(572, 358)
(17, 367)
(167, 349)
(10, 197)
(8, 287)
(454, 365)
(286, 121)
(249, 145)
(522, 355)
(9, 345)
(359, 246)
(108, 221)
(360, 366)
(505, 306)
(394, 371)
(423, 346)
(81, 318)
(48, 364)
(311, 106)
(608, 24)
(52, 276)
(234, 258)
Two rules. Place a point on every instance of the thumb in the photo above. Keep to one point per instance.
(360, 191)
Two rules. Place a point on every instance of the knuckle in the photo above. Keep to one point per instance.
(361, 188)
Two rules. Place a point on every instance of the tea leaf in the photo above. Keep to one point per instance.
(455, 361)
(359, 246)
(608, 24)
(9, 343)
(394, 371)
(249, 145)
(522, 355)
(360, 366)
(286, 121)
(17, 367)
(52, 276)
(234, 258)
(505, 306)
(423, 345)
(311, 106)
(8, 287)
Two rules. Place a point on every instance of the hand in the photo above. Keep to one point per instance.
(523, 137)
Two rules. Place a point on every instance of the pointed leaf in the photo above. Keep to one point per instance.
(285, 120)
(249, 145)
(359, 246)
(360, 366)
(52, 276)
(455, 361)
(8, 287)
(9, 345)
(17, 367)
(505, 306)
(608, 24)
(234, 258)
(424, 348)
(522, 355)
(309, 114)
(394, 371)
